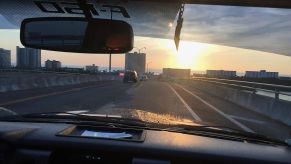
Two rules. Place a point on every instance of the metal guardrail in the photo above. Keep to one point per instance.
(250, 86)
(54, 72)
(34, 71)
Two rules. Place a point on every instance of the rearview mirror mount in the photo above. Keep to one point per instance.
(78, 35)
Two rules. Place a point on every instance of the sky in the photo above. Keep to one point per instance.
(162, 53)
(214, 37)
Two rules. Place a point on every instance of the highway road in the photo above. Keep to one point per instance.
(170, 99)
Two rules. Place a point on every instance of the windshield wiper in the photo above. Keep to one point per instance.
(111, 120)
(85, 118)
(225, 133)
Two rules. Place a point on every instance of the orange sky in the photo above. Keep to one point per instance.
(162, 53)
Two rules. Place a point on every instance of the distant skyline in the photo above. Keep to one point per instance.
(162, 53)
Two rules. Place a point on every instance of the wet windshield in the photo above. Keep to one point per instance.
(232, 69)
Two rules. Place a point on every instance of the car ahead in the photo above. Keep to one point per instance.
(130, 76)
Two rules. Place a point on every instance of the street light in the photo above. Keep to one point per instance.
(140, 49)
(110, 53)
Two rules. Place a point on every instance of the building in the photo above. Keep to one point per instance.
(92, 68)
(48, 64)
(28, 58)
(176, 73)
(135, 61)
(53, 64)
(56, 64)
(5, 58)
(220, 73)
(261, 74)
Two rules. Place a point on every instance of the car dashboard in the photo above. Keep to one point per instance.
(46, 143)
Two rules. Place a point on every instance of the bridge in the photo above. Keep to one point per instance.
(210, 101)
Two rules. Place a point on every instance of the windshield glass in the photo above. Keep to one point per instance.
(232, 68)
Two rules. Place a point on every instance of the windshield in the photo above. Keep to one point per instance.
(231, 68)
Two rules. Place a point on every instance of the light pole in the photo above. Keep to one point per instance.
(110, 62)
(139, 49)
(110, 53)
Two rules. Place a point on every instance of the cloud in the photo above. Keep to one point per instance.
(261, 29)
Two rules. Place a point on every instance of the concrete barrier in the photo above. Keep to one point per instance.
(276, 109)
(22, 81)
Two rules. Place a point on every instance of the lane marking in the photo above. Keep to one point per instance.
(8, 111)
(46, 95)
(217, 110)
(247, 119)
(194, 115)
(77, 111)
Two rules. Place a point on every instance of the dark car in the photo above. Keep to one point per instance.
(130, 76)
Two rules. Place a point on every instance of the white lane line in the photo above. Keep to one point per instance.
(194, 115)
(8, 111)
(77, 111)
(247, 119)
(218, 111)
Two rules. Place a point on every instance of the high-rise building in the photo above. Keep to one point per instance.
(53, 64)
(135, 61)
(28, 58)
(5, 58)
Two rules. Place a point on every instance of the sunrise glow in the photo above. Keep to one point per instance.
(189, 54)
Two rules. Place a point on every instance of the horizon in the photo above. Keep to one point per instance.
(161, 53)
(155, 70)
(101, 68)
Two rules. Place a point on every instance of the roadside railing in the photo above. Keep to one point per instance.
(44, 71)
(254, 87)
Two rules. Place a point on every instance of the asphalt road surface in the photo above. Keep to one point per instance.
(165, 98)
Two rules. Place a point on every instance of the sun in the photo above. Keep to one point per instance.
(189, 54)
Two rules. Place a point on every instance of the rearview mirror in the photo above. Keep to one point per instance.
(77, 35)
